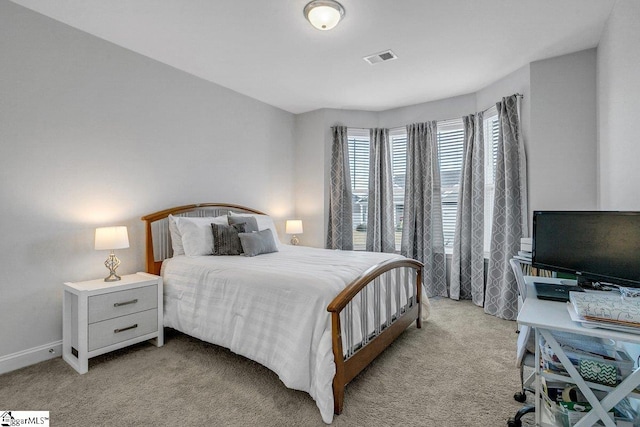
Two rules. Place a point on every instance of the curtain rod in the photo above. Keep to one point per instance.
(519, 95)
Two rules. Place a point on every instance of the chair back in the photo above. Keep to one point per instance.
(525, 331)
(517, 272)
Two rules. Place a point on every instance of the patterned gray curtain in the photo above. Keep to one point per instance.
(509, 222)
(380, 227)
(467, 262)
(340, 229)
(422, 235)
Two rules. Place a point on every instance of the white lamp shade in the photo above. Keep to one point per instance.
(324, 14)
(293, 226)
(108, 238)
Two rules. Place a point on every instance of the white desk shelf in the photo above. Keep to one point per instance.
(99, 317)
(548, 316)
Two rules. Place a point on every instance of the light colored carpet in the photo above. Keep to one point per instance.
(458, 370)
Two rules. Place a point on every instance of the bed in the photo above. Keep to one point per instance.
(316, 317)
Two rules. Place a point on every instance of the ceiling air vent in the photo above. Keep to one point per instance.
(387, 55)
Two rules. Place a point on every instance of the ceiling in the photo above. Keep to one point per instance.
(267, 50)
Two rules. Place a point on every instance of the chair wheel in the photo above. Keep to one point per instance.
(514, 423)
(520, 397)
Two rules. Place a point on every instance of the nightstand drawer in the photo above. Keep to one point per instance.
(112, 331)
(116, 304)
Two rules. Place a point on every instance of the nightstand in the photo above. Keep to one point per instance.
(99, 317)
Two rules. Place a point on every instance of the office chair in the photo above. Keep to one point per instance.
(525, 353)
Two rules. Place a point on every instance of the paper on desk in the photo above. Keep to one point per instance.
(604, 325)
(606, 307)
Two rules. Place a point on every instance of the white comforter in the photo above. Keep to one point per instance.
(271, 308)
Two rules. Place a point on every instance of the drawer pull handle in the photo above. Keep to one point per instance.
(115, 331)
(118, 304)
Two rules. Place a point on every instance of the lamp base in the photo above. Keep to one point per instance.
(112, 263)
(295, 241)
(113, 277)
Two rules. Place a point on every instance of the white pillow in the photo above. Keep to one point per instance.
(176, 237)
(264, 222)
(197, 237)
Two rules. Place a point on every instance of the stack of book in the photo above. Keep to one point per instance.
(524, 253)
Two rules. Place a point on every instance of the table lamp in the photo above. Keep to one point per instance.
(294, 226)
(110, 238)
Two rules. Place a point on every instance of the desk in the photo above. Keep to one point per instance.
(547, 316)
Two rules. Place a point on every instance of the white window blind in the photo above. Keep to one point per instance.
(398, 139)
(450, 152)
(358, 142)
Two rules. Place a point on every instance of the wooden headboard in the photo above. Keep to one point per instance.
(158, 240)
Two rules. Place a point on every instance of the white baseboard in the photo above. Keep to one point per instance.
(31, 356)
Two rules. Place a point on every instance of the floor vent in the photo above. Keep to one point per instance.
(376, 58)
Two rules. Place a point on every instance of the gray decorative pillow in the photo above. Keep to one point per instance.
(250, 223)
(226, 240)
(258, 242)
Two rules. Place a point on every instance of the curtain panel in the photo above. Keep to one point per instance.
(467, 262)
(340, 228)
(422, 235)
(509, 222)
(380, 225)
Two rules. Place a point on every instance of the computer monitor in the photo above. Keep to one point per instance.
(595, 246)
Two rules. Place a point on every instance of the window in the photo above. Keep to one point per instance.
(450, 154)
(450, 141)
(358, 141)
(398, 138)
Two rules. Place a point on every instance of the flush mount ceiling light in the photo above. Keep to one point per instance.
(324, 14)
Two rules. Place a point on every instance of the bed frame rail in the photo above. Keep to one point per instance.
(352, 355)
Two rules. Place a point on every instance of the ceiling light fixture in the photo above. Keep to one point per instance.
(324, 14)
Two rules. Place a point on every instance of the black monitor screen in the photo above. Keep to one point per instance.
(596, 246)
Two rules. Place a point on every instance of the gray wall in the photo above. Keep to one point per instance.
(563, 136)
(619, 108)
(310, 129)
(92, 135)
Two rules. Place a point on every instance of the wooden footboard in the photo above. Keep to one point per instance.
(391, 316)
